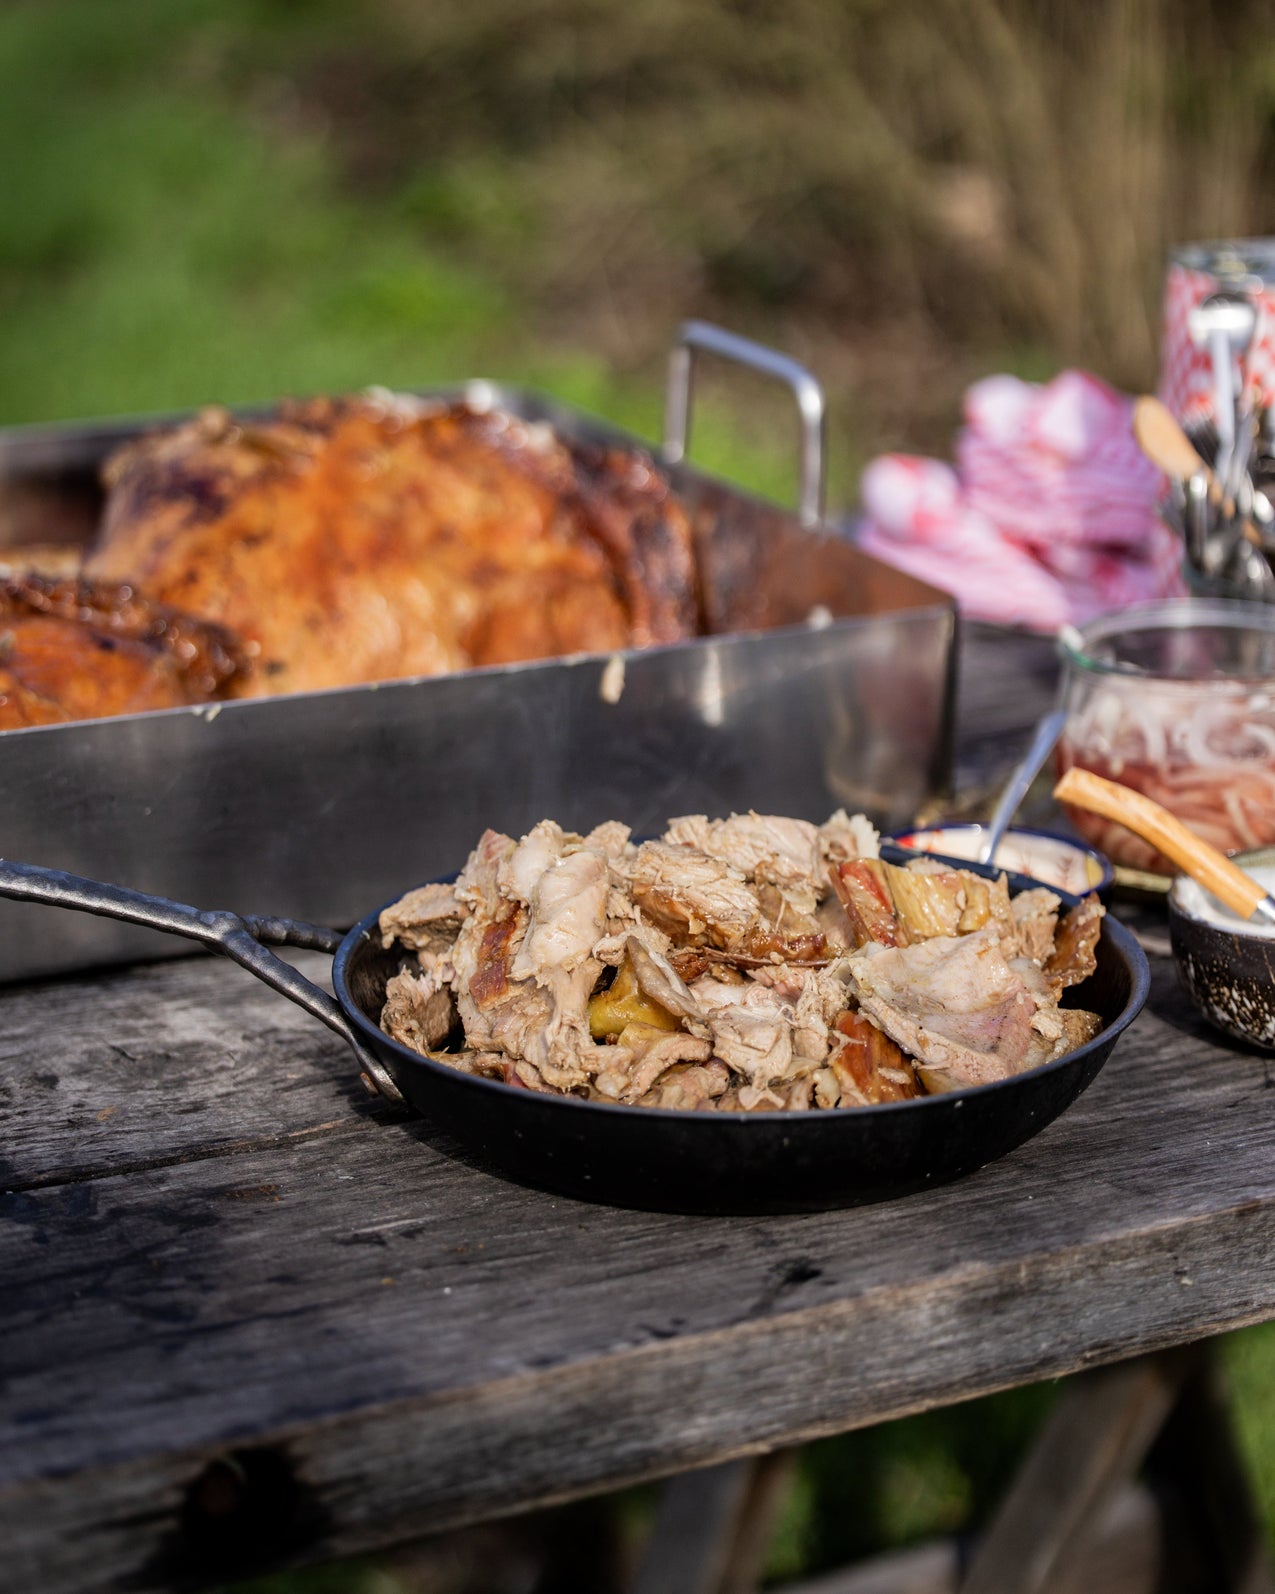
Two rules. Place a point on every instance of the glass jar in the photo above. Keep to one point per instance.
(1177, 700)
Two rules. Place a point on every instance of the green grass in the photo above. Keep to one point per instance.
(1248, 1359)
(162, 248)
(164, 245)
(884, 1488)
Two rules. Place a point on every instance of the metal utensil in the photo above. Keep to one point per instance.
(1223, 323)
(1263, 512)
(1196, 518)
(1238, 485)
(1042, 744)
(1256, 578)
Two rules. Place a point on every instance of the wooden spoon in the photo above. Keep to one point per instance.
(1213, 869)
(1160, 437)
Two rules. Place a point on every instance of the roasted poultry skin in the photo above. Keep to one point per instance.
(72, 649)
(362, 539)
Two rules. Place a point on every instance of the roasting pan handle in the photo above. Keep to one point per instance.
(242, 938)
(696, 337)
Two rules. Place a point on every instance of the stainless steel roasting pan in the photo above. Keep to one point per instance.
(826, 680)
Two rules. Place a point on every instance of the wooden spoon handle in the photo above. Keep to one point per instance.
(1213, 869)
(1162, 439)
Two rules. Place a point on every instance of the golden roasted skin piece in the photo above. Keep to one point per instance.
(863, 889)
(869, 1066)
(359, 539)
(72, 649)
(1074, 956)
(624, 1003)
(899, 907)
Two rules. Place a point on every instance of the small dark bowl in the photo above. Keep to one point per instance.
(1228, 973)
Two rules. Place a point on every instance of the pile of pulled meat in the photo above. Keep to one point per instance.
(746, 964)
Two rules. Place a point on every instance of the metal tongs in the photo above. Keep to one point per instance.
(1225, 519)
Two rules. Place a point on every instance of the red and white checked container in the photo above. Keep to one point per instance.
(1243, 265)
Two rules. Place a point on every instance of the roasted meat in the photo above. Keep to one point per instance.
(898, 907)
(967, 1013)
(867, 1066)
(681, 973)
(73, 649)
(364, 539)
(1073, 958)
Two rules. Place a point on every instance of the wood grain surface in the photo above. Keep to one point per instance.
(249, 1317)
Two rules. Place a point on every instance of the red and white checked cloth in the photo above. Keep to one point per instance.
(1048, 518)
(1186, 372)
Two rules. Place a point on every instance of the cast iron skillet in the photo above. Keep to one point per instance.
(639, 1156)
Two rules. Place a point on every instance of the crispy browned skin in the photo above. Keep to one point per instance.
(870, 1067)
(861, 886)
(353, 540)
(75, 649)
(1074, 956)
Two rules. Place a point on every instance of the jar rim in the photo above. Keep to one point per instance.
(1170, 614)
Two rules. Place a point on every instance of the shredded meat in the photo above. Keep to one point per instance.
(426, 919)
(1072, 959)
(767, 850)
(688, 1087)
(698, 899)
(956, 1004)
(1035, 917)
(418, 1011)
(706, 971)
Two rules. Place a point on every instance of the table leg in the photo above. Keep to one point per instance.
(1091, 1449)
(712, 1528)
(1075, 1511)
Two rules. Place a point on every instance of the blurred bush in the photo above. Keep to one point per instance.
(905, 190)
(906, 194)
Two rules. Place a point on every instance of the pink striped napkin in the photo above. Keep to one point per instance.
(1049, 516)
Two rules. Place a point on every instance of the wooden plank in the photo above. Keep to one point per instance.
(170, 1061)
(423, 1345)
(1198, 1452)
(713, 1528)
(770, 1482)
(699, 1517)
(229, 1279)
(319, 1223)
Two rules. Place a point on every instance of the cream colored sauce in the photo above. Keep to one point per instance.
(1197, 903)
(1052, 862)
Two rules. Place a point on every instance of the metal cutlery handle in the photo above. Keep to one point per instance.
(696, 337)
(1223, 360)
(1042, 744)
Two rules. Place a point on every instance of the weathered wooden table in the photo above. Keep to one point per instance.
(245, 1312)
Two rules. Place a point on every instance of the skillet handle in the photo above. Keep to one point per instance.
(238, 938)
(696, 337)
